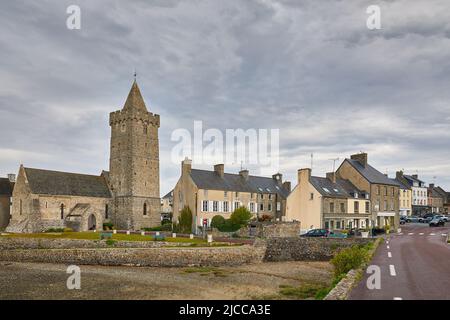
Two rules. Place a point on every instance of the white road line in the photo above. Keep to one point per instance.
(387, 242)
(397, 298)
(421, 234)
(432, 234)
(410, 234)
(387, 247)
(389, 254)
(401, 233)
(392, 270)
(444, 234)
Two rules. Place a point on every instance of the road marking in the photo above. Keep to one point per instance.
(392, 270)
(389, 254)
(387, 247)
(421, 234)
(410, 234)
(401, 233)
(387, 241)
(397, 298)
(432, 234)
(444, 234)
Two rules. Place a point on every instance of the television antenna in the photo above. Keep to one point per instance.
(334, 163)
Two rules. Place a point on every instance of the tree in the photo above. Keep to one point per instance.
(240, 216)
(185, 220)
(217, 222)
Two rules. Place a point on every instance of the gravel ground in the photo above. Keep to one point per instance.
(255, 281)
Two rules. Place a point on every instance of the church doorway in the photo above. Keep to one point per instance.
(92, 222)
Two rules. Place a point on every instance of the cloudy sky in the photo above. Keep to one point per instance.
(310, 68)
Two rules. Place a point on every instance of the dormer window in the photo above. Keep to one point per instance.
(356, 195)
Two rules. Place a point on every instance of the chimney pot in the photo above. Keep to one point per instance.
(244, 174)
(361, 157)
(186, 166)
(219, 169)
(331, 176)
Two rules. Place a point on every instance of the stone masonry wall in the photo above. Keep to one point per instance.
(307, 249)
(150, 257)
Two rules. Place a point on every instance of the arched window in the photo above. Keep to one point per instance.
(62, 211)
(145, 209)
(106, 211)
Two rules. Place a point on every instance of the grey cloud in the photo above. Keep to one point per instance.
(310, 68)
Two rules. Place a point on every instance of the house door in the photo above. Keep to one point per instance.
(92, 223)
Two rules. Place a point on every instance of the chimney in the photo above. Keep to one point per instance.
(415, 176)
(186, 166)
(431, 186)
(287, 185)
(219, 169)
(278, 177)
(361, 157)
(304, 174)
(12, 177)
(399, 174)
(244, 174)
(331, 176)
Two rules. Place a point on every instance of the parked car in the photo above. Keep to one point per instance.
(445, 218)
(437, 222)
(316, 233)
(414, 219)
(428, 219)
(403, 219)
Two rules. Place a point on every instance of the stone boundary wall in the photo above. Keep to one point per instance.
(36, 243)
(148, 257)
(307, 249)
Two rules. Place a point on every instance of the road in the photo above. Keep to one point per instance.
(414, 264)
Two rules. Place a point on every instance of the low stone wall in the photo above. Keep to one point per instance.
(307, 249)
(151, 257)
(36, 243)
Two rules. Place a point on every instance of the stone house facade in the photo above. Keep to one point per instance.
(329, 203)
(383, 192)
(405, 196)
(6, 190)
(210, 193)
(127, 195)
(419, 192)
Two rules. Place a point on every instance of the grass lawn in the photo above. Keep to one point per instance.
(96, 236)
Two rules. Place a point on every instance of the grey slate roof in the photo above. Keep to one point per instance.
(64, 183)
(205, 179)
(335, 190)
(6, 187)
(401, 184)
(371, 174)
(341, 189)
(411, 179)
(168, 195)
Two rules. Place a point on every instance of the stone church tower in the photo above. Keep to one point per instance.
(134, 164)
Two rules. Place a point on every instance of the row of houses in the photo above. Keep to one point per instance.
(356, 195)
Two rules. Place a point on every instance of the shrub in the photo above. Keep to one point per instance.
(217, 221)
(108, 226)
(229, 226)
(265, 217)
(185, 220)
(111, 242)
(240, 216)
(349, 258)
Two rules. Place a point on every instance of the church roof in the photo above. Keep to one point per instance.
(48, 182)
(134, 100)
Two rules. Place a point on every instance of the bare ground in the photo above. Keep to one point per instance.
(255, 281)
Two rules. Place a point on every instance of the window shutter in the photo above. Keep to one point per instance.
(210, 206)
(220, 206)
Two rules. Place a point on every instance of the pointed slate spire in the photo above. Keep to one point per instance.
(135, 100)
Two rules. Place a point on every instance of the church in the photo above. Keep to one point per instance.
(127, 195)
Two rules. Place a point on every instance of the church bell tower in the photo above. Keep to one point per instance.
(134, 164)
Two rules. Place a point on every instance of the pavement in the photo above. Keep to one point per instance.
(414, 264)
